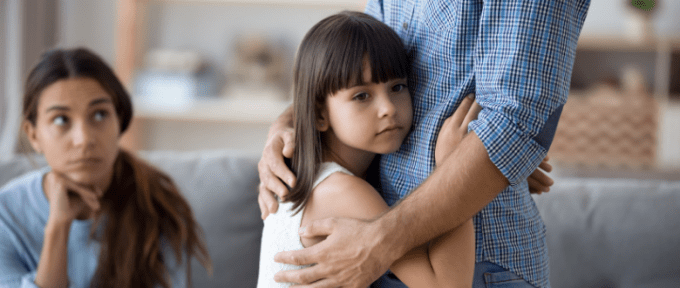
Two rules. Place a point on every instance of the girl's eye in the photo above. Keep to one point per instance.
(100, 115)
(60, 120)
(398, 87)
(360, 96)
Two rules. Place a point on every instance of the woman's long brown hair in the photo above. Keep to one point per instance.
(331, 57)
(143, 215)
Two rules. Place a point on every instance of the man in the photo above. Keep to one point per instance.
(517, 57)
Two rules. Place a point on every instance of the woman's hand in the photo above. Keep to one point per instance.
(69, 200)
(455, 128)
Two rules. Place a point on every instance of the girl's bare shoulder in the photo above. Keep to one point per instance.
(344, 195)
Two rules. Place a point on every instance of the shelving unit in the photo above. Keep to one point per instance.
(231, 112)
(603, 125)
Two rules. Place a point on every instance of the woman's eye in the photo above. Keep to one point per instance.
(360, 96)
(398, 88)
(60, 120)
(100, 115)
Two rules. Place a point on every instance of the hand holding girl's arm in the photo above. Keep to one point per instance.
(68, 201)
(272, 168)
(455, 128)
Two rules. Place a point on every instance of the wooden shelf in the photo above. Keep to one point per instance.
(605, 43)
(262, 111)
(347, 4)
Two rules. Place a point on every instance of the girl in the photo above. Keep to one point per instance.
(351, 102)
(97, 216)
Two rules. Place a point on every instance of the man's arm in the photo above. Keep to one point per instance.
(464, 184)
(380, 242)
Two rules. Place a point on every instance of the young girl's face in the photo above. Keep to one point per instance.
(77, 129)
(374, 117)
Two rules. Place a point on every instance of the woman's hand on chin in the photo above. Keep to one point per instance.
(69, 200)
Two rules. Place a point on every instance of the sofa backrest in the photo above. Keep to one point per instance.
(221, 187)
(600, 232)
(612, 232)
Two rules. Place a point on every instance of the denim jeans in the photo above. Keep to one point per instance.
(489, 275)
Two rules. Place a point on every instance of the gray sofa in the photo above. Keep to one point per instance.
(602, 232)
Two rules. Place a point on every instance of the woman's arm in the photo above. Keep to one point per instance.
(68, 201)
(52, 270)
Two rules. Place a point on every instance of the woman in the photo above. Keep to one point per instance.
(97, 216)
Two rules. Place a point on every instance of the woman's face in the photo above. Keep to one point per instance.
(77, 130)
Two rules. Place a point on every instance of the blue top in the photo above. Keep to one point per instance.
(24, 210)
(517, 56)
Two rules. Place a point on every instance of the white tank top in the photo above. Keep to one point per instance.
(280, 233)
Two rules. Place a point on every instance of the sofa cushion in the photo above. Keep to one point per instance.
(612, 232)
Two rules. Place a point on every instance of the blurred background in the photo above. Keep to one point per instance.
(213, 74)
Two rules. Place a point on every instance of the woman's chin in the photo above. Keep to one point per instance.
(85, 178)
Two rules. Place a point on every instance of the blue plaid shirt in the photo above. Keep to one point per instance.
(517, 56)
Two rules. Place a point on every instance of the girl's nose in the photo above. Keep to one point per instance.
(387, 107)
(83, 135)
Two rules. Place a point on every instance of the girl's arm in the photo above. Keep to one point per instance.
(448, 261)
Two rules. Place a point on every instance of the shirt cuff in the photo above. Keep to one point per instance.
(515, 153)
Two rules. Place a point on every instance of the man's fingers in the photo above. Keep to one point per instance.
(472, 114)
(542, 178)
(305, 256)
(273, 184)
(323, 227)
(545, 165)
(264, 211)
(301, 276)
(536, 185)
(288, 144)
(323, 283)
(459, 115)
(267, 199)
(282, 172)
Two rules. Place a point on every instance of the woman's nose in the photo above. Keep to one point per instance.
(83, 135)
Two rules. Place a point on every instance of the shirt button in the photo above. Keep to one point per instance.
(405, 25)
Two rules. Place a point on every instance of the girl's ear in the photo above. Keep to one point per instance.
(322, 123)
(31, 134)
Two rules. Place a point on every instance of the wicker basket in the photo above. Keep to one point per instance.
(607, 129)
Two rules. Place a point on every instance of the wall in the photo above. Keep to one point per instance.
(3, 31)
(89, 23)
(609, 18)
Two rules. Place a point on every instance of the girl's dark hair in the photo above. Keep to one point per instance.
(331, 57)
(143, 213)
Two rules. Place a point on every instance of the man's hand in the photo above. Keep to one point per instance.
(272, 168)
(455, 128)
(339, 264)
(539, 182)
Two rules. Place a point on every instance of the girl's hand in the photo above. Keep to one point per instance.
(68, 200)
(455, 128)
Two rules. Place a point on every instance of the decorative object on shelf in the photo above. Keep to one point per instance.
(610, 126)
(640, 26)
(261, 68)
(172, 79)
